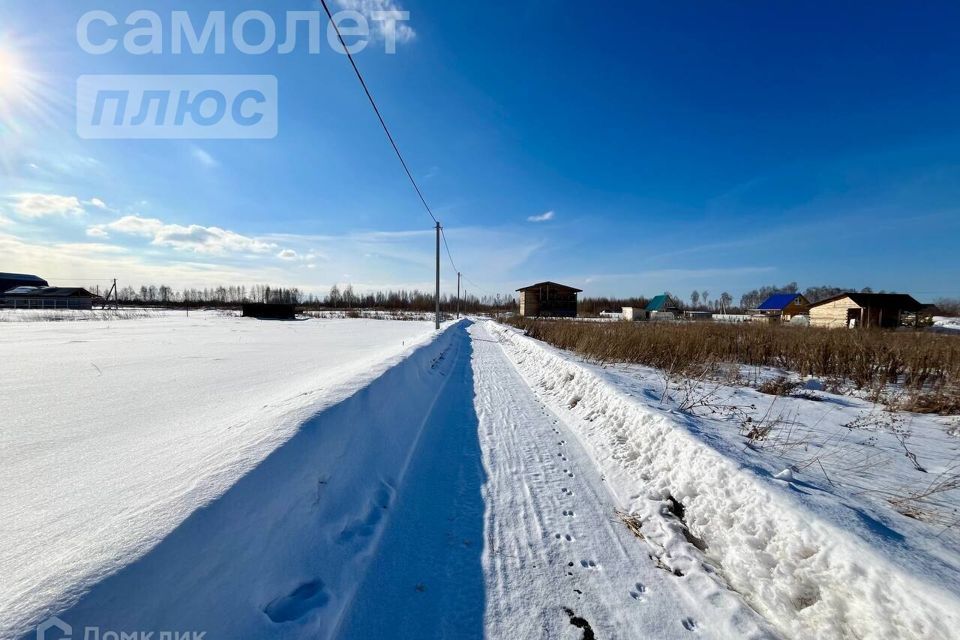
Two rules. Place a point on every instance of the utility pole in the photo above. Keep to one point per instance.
(437, 299)
(458, 295)
(116, 296)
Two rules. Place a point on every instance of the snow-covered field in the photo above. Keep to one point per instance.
(376, 479)
(113, 433)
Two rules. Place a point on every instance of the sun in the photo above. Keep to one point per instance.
(15, 80)
(10, 72)
(24, 93)
(31, 102)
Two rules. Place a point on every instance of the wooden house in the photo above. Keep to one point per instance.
(548, 300)
(863, 310)
(781, 307)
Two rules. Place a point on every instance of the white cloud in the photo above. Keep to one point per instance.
(131, 225)
(204, 158)
(543, 217)
(39, 205)
(98, 203)
(97, 232)
(287, 254)
(194, 237)
(99, 261)
(382, 15)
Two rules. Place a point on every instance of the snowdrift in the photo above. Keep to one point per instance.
(282, 552)
(813, 563)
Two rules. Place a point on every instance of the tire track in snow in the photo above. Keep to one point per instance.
(552, 544)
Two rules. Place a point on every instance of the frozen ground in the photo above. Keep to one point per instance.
(319, 480)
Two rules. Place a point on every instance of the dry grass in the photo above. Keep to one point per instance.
(924, 367)
(633, 522)
(66, 315)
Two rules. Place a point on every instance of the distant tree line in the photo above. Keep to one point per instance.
(414, 300)
(753, 299)
(337, 298)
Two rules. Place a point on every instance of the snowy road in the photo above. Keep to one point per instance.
(556, 562)
(556, 554)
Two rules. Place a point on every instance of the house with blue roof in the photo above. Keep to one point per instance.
(781, 307)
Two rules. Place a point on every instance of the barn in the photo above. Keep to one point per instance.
(27, 297)
(548, 300)
(10, 281)
(863, 310)
(781, 307)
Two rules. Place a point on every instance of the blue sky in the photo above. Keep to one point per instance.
(716, 146)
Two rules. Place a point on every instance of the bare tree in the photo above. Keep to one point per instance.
(726, 300)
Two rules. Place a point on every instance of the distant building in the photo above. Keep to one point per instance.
(781, 307)
(270, 311)
(662, 307)
(612, 314)
(698, 316)
(27, 297)
(548, 300)
(13, 280)
(864, 310)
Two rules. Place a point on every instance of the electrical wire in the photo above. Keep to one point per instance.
(393, 144)
(475, 285)
(447, 247)
(376, 110)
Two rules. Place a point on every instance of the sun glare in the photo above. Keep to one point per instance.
(24, 94)
(10, 72)
(29, 102)
(14, 80)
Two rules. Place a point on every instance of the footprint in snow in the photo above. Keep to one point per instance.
(564, 536)
(689, 624)
(589, 564)
(298, 603)
(569, 514)
(362, 528)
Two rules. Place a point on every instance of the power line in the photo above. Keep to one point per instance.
(447, 247)
(376, 110)
(393, 143)
(482, 290)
